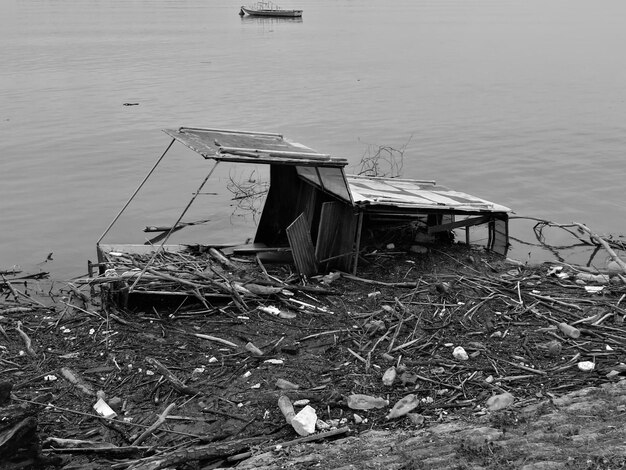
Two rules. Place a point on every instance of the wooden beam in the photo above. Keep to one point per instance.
(461, 223)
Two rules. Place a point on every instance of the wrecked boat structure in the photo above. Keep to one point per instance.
(315, 215)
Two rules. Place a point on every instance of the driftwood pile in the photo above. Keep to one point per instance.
(199, 382)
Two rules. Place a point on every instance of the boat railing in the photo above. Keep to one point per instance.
(266, 6)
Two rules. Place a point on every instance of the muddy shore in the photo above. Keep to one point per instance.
(197, 384)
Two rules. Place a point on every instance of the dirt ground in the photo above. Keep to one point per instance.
(196, 385)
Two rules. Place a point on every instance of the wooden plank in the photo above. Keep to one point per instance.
(500, 241)
(461, 223)
(357, 248)
(336, 236)
(299, 236)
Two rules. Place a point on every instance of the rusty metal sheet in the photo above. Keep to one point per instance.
(250, 147)
(415, 194)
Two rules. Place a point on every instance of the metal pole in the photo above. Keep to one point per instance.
(135, 193)
(172, 228)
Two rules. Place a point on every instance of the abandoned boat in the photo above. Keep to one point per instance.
(315, 215)
(268, 9)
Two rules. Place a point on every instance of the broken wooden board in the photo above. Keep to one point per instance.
(299, 235)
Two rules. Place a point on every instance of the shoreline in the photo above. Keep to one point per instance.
(331, 337)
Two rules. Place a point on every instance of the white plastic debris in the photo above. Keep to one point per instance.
(103, 409)
(271, 310)
(586, 366)
(460, 354)
(358, 401)
(286, 385)
(569, 330)
(251, 348)
(304, 421)
(594, 289)
(554, 270)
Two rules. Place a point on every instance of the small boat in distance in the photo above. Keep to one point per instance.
(269, 9)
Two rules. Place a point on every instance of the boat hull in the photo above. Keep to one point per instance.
(273, 13)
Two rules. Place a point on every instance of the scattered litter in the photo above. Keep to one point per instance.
(594, 289)
(460, 353)
(286, 385)
(103, 409)
(500, 402)
(365, 402)
(525, 330)
(586, 366)
(568, 330)
(403, 406)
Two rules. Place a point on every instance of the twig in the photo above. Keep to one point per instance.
(216, 339)
(176, 383)
(360, 358)
(606, 246)
(8, 284)
(155, 426)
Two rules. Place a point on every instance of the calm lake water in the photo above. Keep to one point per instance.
(521, 102)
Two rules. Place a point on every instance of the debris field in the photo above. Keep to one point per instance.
(209, 374)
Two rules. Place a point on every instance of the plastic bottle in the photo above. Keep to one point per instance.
(569, 330)
(403, 406)
(358, 401)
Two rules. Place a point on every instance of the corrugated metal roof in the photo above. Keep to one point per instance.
(268, 148)
(415, 194)
(250, 147)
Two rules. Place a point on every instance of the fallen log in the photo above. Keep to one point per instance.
(207, 452)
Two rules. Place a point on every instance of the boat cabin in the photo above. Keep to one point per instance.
(318, 216)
